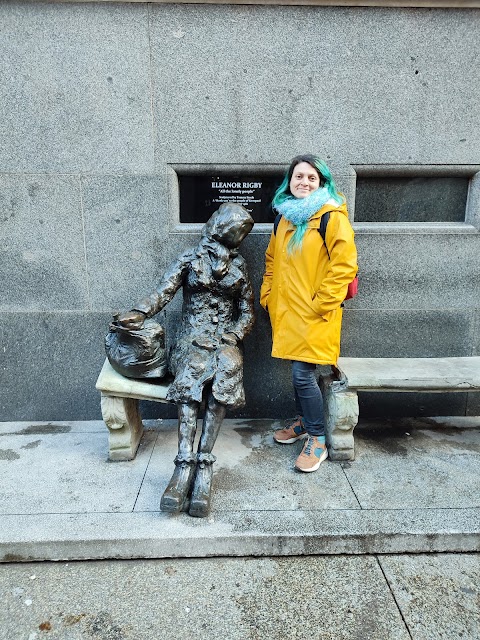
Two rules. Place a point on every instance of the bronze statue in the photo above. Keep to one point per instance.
(206, 359)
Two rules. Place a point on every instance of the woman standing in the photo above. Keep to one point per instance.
(303, 288)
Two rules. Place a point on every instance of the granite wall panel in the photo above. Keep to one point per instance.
(473, 405)
(383, 405)
(412, 270)
(50, 364)
(359, 96)
(52, 361)
(407, 333)
(125, 237)
(476, 334)
(75, 90)
(42, 247)
(418, 271)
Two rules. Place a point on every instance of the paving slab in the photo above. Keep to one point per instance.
(408, 491)
(67, 473)
(251, 473)
(415, 464)
(239, 599)
(419, 583)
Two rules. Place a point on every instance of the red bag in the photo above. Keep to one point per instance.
(352, 289)
(353, 285)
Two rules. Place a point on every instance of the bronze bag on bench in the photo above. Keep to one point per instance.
(137, 353)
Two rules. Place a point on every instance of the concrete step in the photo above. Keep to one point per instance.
(274, 533)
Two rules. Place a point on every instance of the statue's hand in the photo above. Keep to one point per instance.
(132, 319)
(230, 338)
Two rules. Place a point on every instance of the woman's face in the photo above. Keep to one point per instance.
(304, 180)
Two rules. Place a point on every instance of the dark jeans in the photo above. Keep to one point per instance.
(308, 397)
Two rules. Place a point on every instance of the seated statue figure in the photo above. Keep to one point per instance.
(206, 359)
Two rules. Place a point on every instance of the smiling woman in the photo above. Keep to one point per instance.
(305, 283)
(304, 180)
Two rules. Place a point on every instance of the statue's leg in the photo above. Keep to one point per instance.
(200, 499)
(176, 493)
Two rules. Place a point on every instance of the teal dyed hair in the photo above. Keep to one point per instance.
(283, 192)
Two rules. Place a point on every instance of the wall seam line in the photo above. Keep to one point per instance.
(87, 278)
(150, 77)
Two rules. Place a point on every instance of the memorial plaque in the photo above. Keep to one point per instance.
(201, 195)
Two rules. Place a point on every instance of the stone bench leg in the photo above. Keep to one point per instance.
(341, 417)
(122, 417)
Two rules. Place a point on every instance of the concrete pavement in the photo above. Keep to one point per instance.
(414, 487)
(406, 597)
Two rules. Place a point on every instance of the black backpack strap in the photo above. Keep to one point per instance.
(276, 222)
(322, 230)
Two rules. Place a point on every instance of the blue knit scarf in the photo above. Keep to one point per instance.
(298, 211)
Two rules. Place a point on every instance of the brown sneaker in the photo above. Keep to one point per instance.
(313, 454)
(292, 432)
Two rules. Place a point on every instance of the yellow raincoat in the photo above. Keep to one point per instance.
(303, 291)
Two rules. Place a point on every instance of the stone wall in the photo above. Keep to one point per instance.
(99, 103)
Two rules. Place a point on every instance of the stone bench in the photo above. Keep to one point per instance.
(119, 402)
(432, 375)
(120, 396)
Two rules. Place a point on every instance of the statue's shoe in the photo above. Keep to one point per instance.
(176, 493)
(200, 498)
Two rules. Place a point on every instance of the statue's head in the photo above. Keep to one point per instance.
(229, 225)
